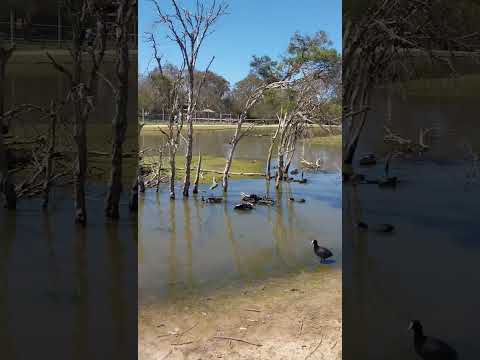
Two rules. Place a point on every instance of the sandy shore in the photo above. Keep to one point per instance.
(297, 316)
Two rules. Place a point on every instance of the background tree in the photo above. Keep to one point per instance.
(378, 39)
(188, 29)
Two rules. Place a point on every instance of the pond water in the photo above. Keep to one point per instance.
(427, 268)
(66, 291)
(186, 245)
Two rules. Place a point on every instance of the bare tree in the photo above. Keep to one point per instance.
(189, 30)
(376, 49)
(171, 88)
(125, 12)
(240, 132)
(7, 188)
(82, 84)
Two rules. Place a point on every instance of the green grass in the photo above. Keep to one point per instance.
(333, 140)
(212, 163)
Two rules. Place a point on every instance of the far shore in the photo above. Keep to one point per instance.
(225, 126)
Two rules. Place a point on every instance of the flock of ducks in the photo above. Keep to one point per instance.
(428, 348)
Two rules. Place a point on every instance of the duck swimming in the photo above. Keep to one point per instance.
(322, 252)
(378, 227)
(429, 348)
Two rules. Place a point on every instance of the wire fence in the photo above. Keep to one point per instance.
(48, 36)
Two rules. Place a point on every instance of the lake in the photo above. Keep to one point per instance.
(427, 268)
(187, 246)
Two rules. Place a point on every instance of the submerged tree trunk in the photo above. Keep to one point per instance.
(280, 174)
(188, 156)
(80, 126)
(120, 121)
(228, 165)
(355, 132)
(133, 198)
(197, 178)
(172, 171)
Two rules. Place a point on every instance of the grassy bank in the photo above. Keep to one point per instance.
(211, 163)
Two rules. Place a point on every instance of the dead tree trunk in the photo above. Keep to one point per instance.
(197, 177)
(172, 172)
(82, 90)
(188, 154)
(270, 151)
(234, 142)
(160, 165)
(7, 188)
(120, 122)
(50, 153)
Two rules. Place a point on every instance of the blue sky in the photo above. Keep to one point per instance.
(260, 27)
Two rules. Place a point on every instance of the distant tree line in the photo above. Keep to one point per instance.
(219, 95)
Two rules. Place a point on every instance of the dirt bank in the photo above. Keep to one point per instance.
(297, 316)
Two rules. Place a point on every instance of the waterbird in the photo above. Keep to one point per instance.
(429, 348)
(322, 252)
(243, 206)
(378, 227)
(214, 184)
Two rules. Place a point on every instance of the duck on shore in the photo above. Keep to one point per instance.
(322, 252)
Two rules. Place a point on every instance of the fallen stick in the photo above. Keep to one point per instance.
(221, 172)
(166, 355)
(316, 347)
(235, 339)
(184, 343)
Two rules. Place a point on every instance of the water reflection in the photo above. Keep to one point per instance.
(188, 245)
(66, 291)
(424, 269)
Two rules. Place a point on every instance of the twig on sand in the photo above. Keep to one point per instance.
(190, 328)
(239, 340)
(183, 343)
(254, 310)
(301, 328)
(316, 347)
(167, 355)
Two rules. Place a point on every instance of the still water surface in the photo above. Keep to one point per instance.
(427, 269)
(186, 245)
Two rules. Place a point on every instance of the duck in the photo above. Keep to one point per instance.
(429, 348)
(368, 159)
(386, 228)
(243, 206)
(322, 252)
(214, 184)
(388, 181)
(294, 172)
(301, 200)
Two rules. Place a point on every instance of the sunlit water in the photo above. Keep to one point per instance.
(187, 245)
